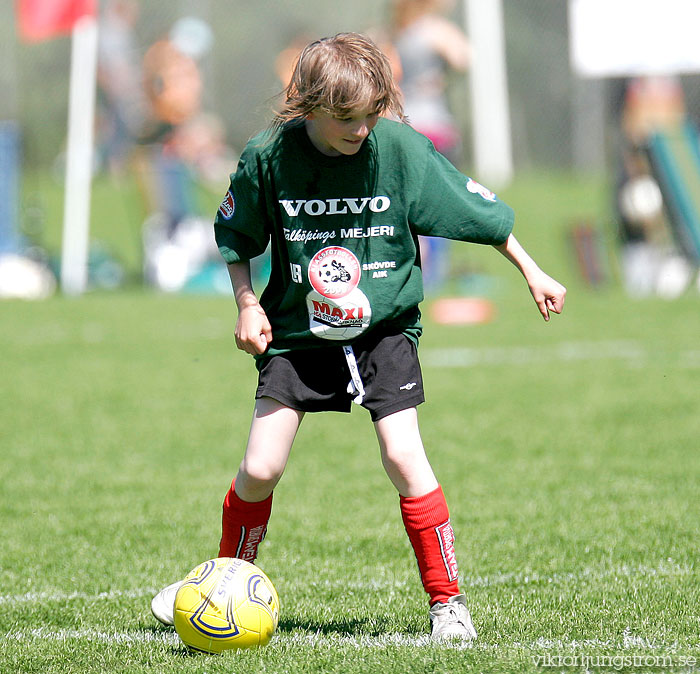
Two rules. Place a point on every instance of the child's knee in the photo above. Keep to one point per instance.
(404, 458)
(260, 472)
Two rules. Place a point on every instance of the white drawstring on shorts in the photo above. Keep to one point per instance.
(355, 386)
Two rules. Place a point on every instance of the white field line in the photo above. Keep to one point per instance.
(629, 642)
(665, 568)
(42, 597)
(588, 574)
(97, 332)
(168, 638)
(628, 352)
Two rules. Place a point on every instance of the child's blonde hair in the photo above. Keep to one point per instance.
(338, 75)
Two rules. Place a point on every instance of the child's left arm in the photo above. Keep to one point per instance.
(547, 293)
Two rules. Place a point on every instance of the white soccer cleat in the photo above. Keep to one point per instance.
(451, 620)
(162, 605)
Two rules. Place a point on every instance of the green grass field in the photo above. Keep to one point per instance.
(568, 453)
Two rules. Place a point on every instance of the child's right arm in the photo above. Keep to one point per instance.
(547, 293)
(253, 331)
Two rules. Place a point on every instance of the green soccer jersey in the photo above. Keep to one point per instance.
(343, 230)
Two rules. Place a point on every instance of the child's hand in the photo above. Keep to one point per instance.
(548, 293)
(253, 331)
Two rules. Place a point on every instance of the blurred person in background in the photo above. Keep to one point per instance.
(184, 148)
(119, 92)
(430, 47)
(172, 80)
(287, 58)
(650, 262)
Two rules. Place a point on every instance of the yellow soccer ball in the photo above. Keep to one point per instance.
(226, 604)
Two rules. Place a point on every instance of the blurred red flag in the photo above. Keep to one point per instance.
(43, 19)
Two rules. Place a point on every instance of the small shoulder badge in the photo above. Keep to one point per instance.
(228, 206)
(477, 188)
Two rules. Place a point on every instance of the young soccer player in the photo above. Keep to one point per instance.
(341, 193)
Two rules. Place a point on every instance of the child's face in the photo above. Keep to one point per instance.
(336, 135)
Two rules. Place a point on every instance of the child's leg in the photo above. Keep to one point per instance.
(423, 506)
(403, 454)
(248, 504)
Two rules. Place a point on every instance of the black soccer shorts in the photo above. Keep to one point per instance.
(316, 380)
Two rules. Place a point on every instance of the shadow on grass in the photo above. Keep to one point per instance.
(371, 626)
(368, 626)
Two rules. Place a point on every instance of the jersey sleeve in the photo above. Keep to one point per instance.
(240, 226)
(453, 206)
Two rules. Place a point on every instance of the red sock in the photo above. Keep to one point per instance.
(243, 526)
(427, 523)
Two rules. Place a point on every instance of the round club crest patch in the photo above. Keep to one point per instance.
(334, 272)
(228, 206)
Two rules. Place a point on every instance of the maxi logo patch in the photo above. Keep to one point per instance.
(334, 272)
(477, 188)
(338, 318)
(228, 206)
(446, 538)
